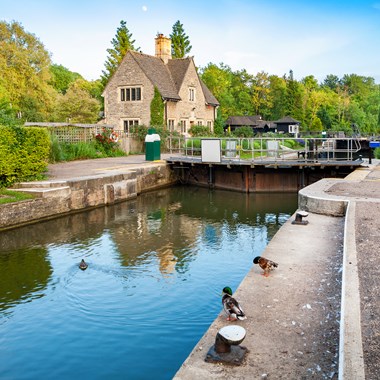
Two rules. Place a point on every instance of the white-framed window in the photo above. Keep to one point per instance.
(128, 124)
(130, 94)
(209, 124)
(200, 122)
(171, 125)
(183, 126)
(192, 94)
(293, 128)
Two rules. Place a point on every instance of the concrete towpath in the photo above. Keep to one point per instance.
(314, 317)
(82, 168)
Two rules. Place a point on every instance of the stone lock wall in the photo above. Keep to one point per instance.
(84, 193)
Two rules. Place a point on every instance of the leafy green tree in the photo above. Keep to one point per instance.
(122, 42)
(294, 98)
(7, 115)
(277, 88)
(261, 98)
(180, 41)
(61, 78)
(220, 80)
(332, 82)
(316, 125)
(156, 109)
(25, 74)
(77, 105)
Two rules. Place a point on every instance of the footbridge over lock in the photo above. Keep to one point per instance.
(262, 164)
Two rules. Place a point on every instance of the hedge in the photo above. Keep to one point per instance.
(24, 154)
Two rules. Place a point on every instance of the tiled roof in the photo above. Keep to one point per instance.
(286, 120)
(169, 78)
(158, 73)
(244, 120)
(210, 98)
(177, 69)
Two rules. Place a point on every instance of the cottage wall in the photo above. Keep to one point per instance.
(130, 74)
(191, 111)
(116, 111)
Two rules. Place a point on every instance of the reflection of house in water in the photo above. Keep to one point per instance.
(167, 259)
(163, 232)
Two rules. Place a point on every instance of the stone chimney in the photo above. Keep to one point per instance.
(163, 48)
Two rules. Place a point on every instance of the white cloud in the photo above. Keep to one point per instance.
(144, 8)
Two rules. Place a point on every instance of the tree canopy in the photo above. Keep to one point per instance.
(24, 67)
(121, 43)
(337, 104)
(61, 78)
(180, 41)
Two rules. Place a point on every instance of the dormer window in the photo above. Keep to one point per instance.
(130, 94)
(191, 94)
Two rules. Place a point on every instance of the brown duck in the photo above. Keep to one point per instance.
(265, 264)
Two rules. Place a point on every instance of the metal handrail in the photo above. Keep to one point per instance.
(264, 149)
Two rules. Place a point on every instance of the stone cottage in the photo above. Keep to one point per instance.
(129, 92)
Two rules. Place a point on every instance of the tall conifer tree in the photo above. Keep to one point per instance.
(122, 42)
(180, 41)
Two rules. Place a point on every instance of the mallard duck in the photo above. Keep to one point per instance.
(265, 264)
(83, 265)
(231, 306)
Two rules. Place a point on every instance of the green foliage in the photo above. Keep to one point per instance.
(337, 103)
(121, 43)
(290, 143)
(377, 153)
(200, 130)
(25, 75)
(24, 153)
(77, 105)
(194, 143)
(163, 132)
(316, 125)
(10, 196)
(243, 132)
(7, 115)
(105, 143)
(156, 109)
(61, 78)
(180, 41)
(101, 147)
(219, 124)
(139, 132)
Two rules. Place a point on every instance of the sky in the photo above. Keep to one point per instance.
(275, 36)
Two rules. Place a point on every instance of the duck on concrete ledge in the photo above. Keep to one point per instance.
(231, 306)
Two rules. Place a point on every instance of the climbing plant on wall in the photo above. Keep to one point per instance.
(157, 109)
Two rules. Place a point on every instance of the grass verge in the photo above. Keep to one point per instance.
(10, 196)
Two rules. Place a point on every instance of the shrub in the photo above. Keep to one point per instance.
(106, 141)
(290, 143)
(24, 153)
(244, 131)
(200, 130)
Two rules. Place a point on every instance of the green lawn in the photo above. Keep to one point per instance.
(9, 196)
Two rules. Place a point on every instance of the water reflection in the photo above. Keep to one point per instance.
(152, 262)
(24, 275)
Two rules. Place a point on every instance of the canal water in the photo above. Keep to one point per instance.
(156, 268)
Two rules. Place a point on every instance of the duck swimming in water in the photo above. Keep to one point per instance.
(83, 265)
(231, 306)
